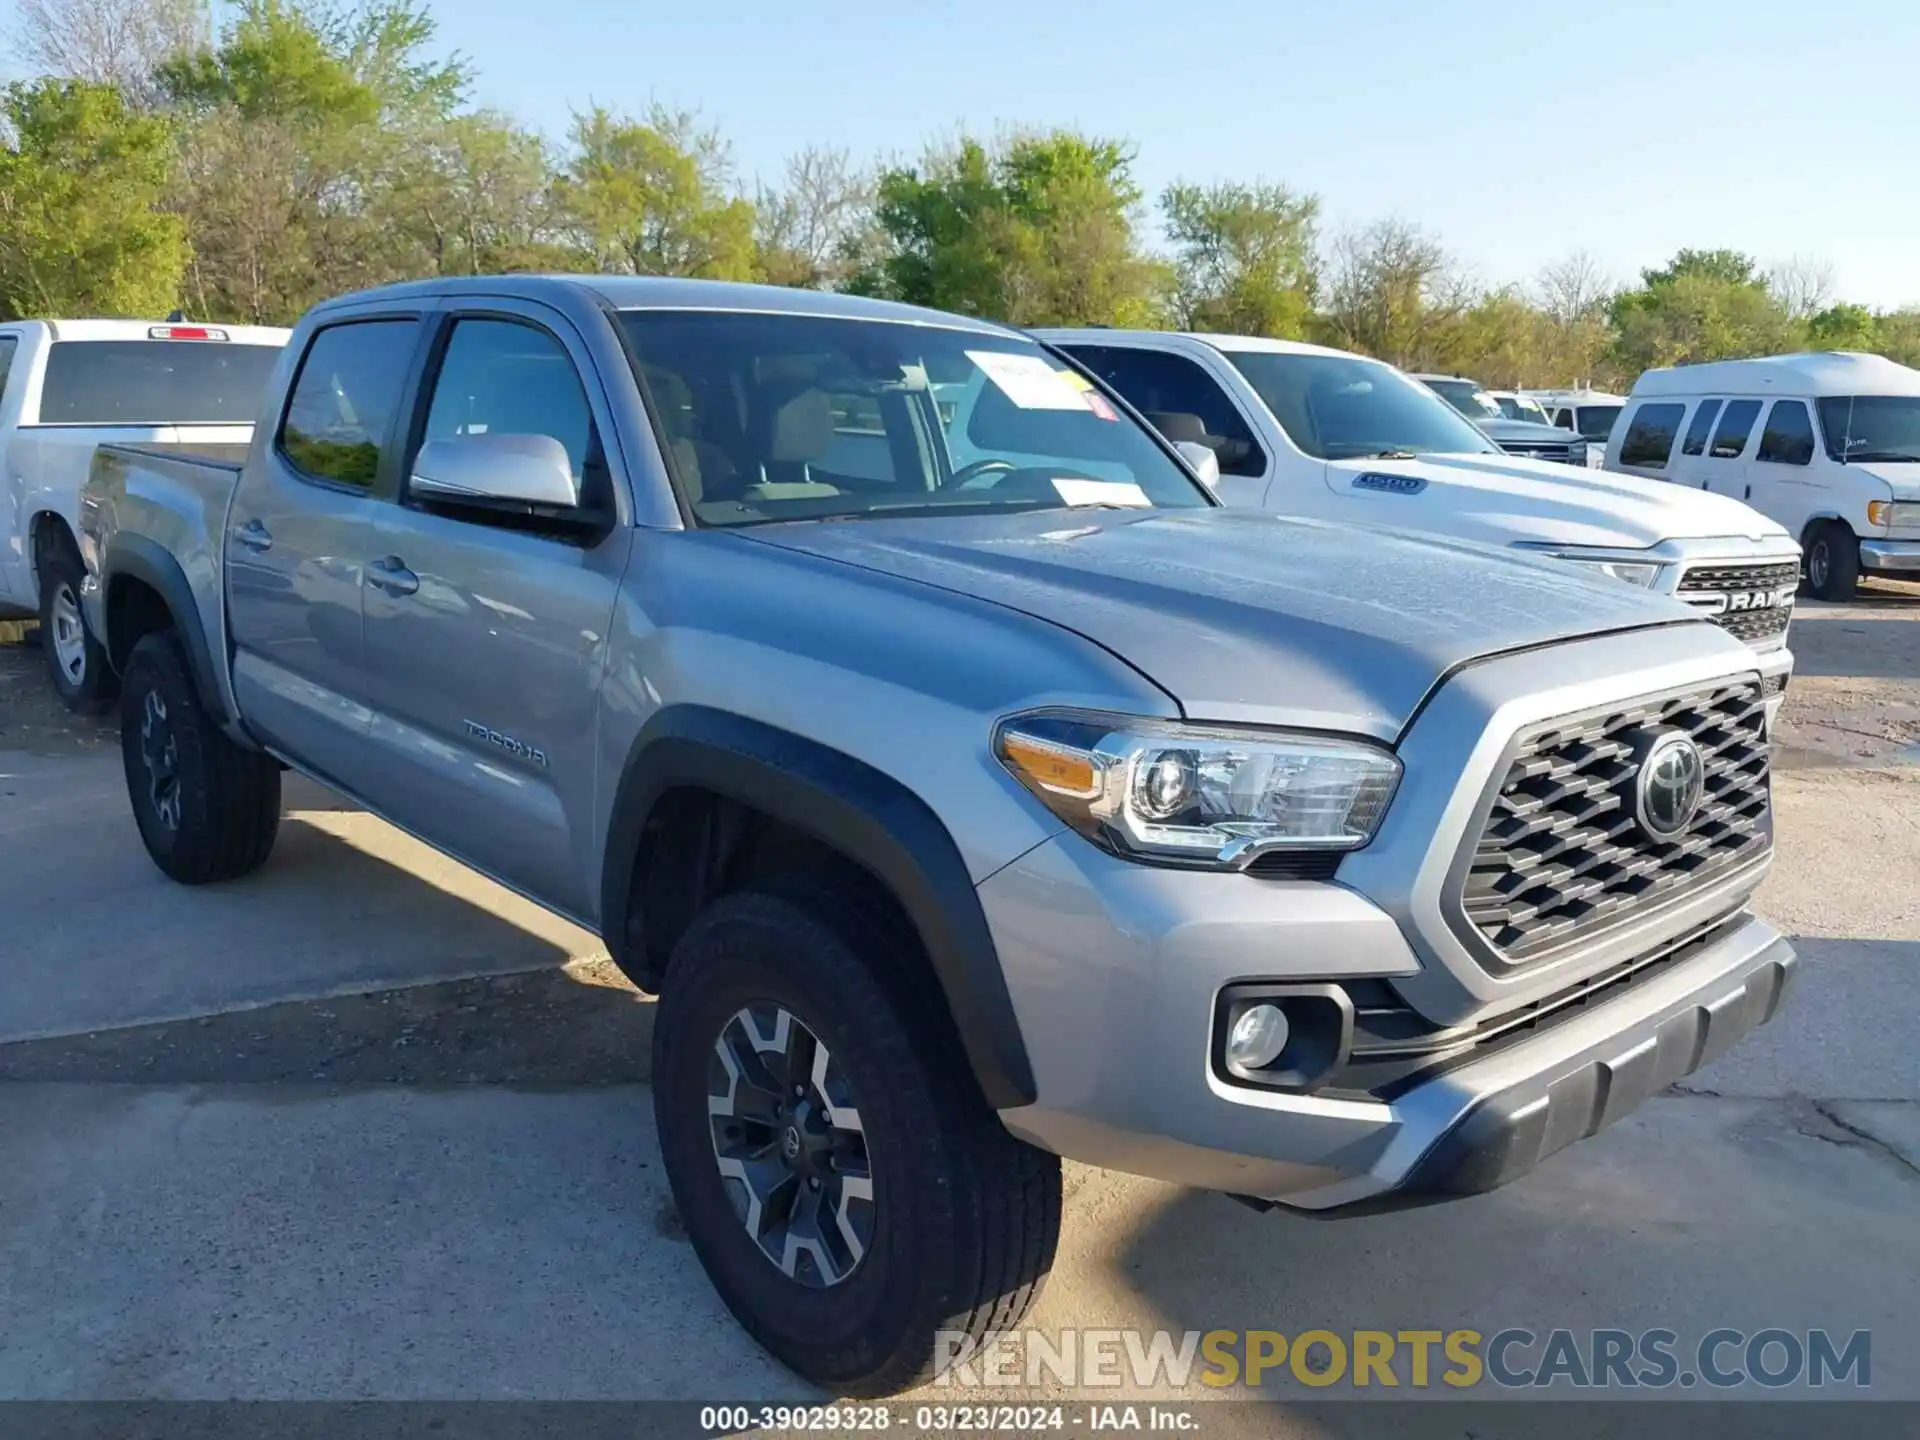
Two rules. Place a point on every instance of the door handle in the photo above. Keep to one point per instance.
(392, 575)
(254, 536)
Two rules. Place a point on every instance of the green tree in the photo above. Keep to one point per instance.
(1039, 230)
(80, 182)
(1897, 336)
(1842, 327)
(1245, 257)
(653, 197)
(1701, 305)
(299, 130)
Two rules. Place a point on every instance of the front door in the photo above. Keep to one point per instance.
(486, 633)
(296, 538)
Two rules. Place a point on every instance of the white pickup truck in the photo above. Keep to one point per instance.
(1305, 430)
(68, 385)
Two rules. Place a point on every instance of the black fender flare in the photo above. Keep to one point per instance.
(135, 557)
(863, 813)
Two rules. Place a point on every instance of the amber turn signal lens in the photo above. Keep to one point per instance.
(1051, 768)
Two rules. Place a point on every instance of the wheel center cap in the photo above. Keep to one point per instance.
(790, 1142)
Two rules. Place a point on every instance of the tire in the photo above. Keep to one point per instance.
(76, 661)
(963, 1219)
(1833, 562)
(207, 808)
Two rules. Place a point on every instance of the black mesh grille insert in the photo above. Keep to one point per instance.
(1561, 855)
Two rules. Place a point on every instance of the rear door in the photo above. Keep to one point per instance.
(1689, 464)
(297, 537)
(486, 633)
(1729, 452)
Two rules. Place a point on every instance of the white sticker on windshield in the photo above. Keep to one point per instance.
(1028, 381)
(1100, 492)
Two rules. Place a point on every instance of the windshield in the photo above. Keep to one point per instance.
(796, 417)
(1871, 427)
(1466, 397)
(1518, 407)
(1340, 407)
(1595, 422)
(155, 382)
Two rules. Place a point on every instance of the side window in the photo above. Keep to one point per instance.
(1180, 400)
(500, 377)
(1563, 419)
(1650, 435)
(344, 399)
(1702, 426)
(1788, 437)
(8, 344)
(1736, 423)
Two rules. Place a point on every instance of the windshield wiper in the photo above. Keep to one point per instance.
(1393, 455)
(1882, 457)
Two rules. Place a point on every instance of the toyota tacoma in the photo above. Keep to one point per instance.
(971, 795)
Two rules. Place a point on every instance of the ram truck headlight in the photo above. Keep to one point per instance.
(1643, 573)
(1198, 795)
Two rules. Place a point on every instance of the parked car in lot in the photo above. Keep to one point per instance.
(1534, 439)
(1303, 430)
(1836, 460)
(1516, 406)
(1590, 414)
(66, 385)
(973, 792)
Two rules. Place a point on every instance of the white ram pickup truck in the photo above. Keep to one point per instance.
(1305, 430)
(65, 387)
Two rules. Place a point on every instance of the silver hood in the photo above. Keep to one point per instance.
(1246, 617)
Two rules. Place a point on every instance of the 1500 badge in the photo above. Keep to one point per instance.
(513, 747)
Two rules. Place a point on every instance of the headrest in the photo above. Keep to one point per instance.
(1177, 425)
(802, 429)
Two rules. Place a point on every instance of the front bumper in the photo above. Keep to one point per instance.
(1124, 1084)
(1893, 557)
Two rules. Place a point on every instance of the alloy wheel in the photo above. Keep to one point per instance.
(788, 1139)
(160, 754)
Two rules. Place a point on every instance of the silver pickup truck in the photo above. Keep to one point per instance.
(971, 794)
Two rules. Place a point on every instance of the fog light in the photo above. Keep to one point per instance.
(1258, 1037)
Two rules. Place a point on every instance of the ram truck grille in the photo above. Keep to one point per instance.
(1562, 857)
(1752, 602)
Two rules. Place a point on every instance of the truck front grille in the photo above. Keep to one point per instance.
(1752, 602)
(1534, 450)
(1561, 856)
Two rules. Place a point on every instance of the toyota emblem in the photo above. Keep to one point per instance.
(1667, 790)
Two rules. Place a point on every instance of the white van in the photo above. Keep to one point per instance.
(1304, 430)
(1827, 444)
(1589, 413)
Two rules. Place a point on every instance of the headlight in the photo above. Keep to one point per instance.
(1894, 514)
(1643, 573)
(1196, 794)
(1635, 572)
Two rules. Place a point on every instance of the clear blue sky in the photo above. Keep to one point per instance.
(1515, 133)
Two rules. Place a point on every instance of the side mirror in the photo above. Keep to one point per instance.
(501, 469)
(1202, 461)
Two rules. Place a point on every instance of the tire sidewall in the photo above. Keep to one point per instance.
(749, 956)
